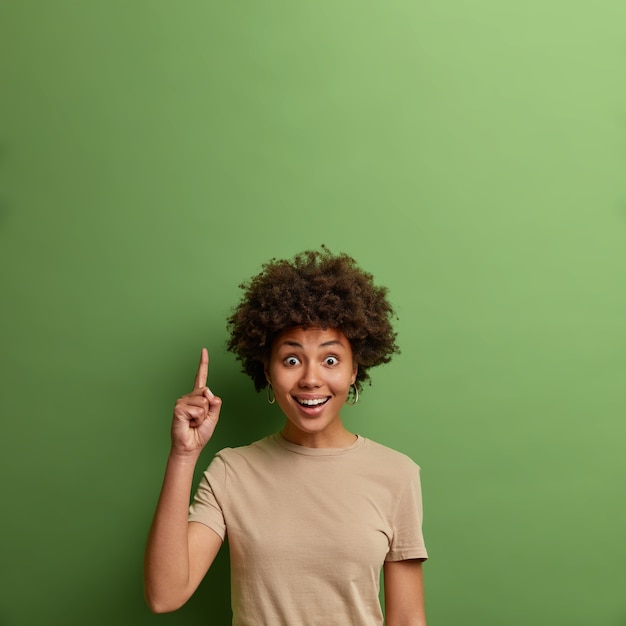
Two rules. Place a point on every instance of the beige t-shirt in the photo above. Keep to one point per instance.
(309, 528)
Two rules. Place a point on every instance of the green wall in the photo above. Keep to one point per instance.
(471, 155)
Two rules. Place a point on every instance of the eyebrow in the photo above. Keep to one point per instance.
(326, 344)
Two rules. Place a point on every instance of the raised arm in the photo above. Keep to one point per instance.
(179, 553)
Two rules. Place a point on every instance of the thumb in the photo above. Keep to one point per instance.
(215, 404)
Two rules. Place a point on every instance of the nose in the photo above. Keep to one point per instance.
(310, 376)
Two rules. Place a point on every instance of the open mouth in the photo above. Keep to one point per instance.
(311, 402)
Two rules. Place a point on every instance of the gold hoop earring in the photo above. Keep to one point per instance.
(271, 397)
(355, 396)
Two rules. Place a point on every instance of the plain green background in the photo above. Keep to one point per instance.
(470, 155)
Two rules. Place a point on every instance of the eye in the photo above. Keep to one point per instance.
(291, 361)
(331, 360)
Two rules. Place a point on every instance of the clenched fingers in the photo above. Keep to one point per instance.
(196, 406)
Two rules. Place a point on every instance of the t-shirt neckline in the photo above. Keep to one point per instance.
(293, 447)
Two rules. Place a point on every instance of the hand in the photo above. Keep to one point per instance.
(195, 414)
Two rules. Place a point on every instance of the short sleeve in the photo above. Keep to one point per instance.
(407, 541)
(206, 507)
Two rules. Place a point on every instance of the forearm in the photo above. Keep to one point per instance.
(167, 563)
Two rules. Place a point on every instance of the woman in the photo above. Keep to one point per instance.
(314, 512)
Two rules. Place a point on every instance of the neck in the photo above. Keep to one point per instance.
(340, 439)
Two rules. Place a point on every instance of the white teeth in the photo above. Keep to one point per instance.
(312, 402)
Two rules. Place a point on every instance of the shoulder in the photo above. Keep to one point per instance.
(230, 463)
(386, 457)
(249, 453)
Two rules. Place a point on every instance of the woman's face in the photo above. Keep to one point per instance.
(311, 372)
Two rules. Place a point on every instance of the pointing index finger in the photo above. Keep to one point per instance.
(203, 370)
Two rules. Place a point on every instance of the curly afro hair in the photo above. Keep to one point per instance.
(316, 288)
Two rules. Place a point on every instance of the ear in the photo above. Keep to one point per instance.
(266, 371)
(355, 371)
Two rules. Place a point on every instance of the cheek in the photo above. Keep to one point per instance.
(343, 379)
(282, 380)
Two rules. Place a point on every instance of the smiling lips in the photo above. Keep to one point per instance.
(312, 402)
